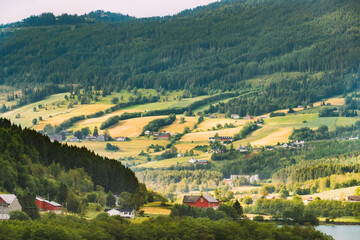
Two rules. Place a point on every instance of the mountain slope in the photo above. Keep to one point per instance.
(215, 46)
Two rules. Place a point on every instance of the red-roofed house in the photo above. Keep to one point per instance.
(164, 136)
(48, 206)
(203, 201)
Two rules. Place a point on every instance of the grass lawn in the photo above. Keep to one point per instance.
(155, 208)
(166, 163)
(179, 128)
(127, 149)
(27, 113)
(347, 219)
(204, 136)
(337, 193)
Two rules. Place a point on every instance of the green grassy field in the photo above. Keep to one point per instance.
(169, 162)
(155, 209)
(27, 113)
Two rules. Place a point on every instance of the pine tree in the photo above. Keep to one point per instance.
(238, 208)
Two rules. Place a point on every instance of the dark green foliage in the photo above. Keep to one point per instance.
(289, 93)
(216, 46)
(171, 153)
(115, 100)
(277, 114)
(68, 123)
(105, 227)
(21, 147)
(63, 193)
(109, 122)
(246, 130)
(328, 112)
(288, 210)
(307, 134)
(110, 200)
(333, 209)
(156, 124)
(111, 147)
(19, 215)
(28, 204)
(95, 115)
(238, 208)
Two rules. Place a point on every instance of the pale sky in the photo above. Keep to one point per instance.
(16, 10)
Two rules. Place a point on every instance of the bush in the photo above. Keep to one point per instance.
(19, 215)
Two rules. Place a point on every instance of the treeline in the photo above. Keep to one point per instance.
(334, 112)
(192, 50)
(287, 210)
(178, 110)
(156, 124)
(307, 134)
(323, 170)
(170, 181)
(289, 93)
(69, 123)
(34, 94)
(51, 226)
(296, 210)
(246, 130)
(224, 211)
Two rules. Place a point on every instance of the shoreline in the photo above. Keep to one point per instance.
(338, 223)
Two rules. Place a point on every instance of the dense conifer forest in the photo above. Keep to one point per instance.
(215, 46)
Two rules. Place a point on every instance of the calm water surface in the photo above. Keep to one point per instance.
(341, 232)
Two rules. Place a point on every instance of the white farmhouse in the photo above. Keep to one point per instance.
(8, 203)
(125, 213)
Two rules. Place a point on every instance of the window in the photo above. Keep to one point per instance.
(201, 200)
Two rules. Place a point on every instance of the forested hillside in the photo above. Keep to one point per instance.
(31, 164)
(216, 46)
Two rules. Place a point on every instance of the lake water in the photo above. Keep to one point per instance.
(341, 232)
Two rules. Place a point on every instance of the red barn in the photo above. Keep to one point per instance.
(164, 136)
(48, 206)
(201, 201)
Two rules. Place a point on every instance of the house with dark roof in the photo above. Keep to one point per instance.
(202, 201)
(8, 203)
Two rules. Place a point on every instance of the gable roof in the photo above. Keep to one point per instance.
(2, 201)
(8, 198)
(192, 199)
(55, 204)
(210, 199)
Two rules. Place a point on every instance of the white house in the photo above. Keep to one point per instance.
(8, 203)
(100, 138)
(354, 137)
(125, 213)
(147, 132)
(243, 149)
(120, 139)
(193, 160)
(235, 116)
